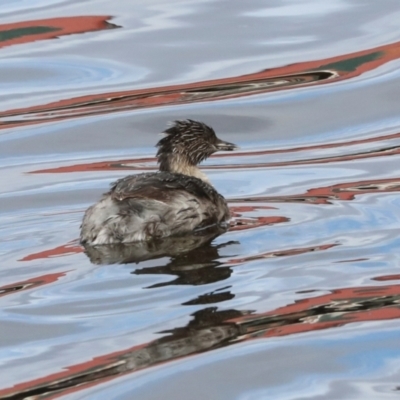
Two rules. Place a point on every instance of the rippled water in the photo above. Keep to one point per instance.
(300, 299)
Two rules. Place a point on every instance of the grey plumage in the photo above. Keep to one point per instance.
(172, 202)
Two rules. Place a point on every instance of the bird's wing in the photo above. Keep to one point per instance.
(161, 186)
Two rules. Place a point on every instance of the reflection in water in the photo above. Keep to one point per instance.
(42, 29)
(31, 283)
(240, 224)
(212, 297)
(340, 307)
(387, 278)
(193, 258)
(137, 99)
(196, 261)
(283, 253)
(303, 280)
(197, 266)
(176, 247)
(66, 249)
(302, 74)
(211, 328)
(352, 147)
(341, 191)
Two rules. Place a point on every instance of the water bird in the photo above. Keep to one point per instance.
(174, 201)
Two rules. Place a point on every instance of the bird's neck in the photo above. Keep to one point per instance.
(180, 165)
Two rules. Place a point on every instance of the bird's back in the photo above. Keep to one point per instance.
(153, 205)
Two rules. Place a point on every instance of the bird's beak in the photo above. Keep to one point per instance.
(225, 146)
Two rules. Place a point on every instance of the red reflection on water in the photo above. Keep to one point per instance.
(348, 191)
(31, 283)
(345, 306)
(301, 74)
(341, 191)
(142, 163)
(64, 250)
(79, 369)
(337, 308)
(282, 253)
(240, 224)
(100, 166)
(41, 29)
(237, 210)
(387, 278)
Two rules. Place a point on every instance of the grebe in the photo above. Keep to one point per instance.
(176, 200)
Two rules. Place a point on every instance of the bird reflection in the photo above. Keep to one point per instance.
(197, 266)
(188, 252)
(210, 298)
(199, 327)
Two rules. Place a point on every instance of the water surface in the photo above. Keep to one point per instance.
(300, 298)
